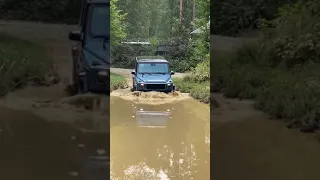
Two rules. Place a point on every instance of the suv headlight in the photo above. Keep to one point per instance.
(103, 73)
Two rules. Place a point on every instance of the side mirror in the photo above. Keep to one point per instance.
(75, 35)
(172, 73)
(133, 72)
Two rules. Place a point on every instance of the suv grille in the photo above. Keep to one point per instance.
(155, 86)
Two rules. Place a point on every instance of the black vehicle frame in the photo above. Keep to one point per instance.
(90, 54)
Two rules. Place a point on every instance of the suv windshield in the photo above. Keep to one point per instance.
(153, 68)
(99, 21)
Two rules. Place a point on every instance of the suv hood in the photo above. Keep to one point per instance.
(150, 78)
(95, 55)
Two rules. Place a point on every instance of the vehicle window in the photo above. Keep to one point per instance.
(153, 68)
(100, 20)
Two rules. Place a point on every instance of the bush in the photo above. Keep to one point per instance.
(281, 72)
(230, 17)
(66, 11)
(198, 83)
(124, 56)
(21, 62)
(117, 82)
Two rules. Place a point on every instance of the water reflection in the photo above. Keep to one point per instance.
(142, 150)
(33, 148)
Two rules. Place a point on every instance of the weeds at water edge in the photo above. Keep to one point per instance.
(22, 62)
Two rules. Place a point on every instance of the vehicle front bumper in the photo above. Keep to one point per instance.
(98, 81)
(161, 87)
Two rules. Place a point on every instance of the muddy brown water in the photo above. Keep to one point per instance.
(44, 133)
(164, 141)
(32, 147)
(246, 145)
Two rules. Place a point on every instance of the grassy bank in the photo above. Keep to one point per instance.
(291, 95)
(200, 91)
(198, 83)
(282, 71)
(21, 62)
(117, 82)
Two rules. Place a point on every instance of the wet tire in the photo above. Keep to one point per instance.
(133, 88)
(78, 80)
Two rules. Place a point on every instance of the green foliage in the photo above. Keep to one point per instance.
(117, 82)
(145, 20)
(157, 18)
(116, 24)
(154, 42)
(230, 17)
(123, 55)
(281, 72)
(21, 62)
(200, 91)
(66, 11)
(198, 83)
(202, 72)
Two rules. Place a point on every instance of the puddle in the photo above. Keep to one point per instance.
(246, 145)
(65, 139)
(164, 141)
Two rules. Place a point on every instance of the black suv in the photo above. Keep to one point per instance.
(91, 57)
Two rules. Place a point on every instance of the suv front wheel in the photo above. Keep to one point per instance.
(133, 86)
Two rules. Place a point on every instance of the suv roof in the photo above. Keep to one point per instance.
(152, 61)
(98, 1)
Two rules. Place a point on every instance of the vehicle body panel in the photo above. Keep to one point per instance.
(91, 57)
(152, 80)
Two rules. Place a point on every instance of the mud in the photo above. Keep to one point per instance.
(247, 145)
(163, 141)
(151, 97)
(34, 148)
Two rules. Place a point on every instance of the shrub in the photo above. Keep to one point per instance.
(231, 17)
(66, 11)
(21, 62)
(198, 83)
(281, 72)
(117, 82)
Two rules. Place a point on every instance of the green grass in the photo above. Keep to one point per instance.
(197, 83)
(117, 82)
(200, 91)
(292, 95)
(20, 62)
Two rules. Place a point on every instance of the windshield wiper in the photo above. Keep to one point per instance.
(105, 38)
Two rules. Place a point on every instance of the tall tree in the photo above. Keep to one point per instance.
(117, 26)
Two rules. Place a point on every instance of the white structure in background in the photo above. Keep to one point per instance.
(137, 43)
(201, 29)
